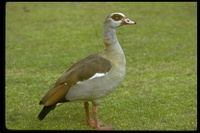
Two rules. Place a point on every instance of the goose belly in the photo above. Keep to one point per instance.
(96, 88)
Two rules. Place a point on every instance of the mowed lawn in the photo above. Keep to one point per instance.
(160, 88)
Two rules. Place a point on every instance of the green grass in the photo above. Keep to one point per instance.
(160, 88)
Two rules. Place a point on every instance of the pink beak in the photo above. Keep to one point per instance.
(128, 21)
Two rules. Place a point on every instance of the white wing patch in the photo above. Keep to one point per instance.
(97, 75)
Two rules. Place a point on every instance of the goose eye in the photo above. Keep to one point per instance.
(116, 17)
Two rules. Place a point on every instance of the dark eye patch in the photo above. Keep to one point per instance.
(116, 17)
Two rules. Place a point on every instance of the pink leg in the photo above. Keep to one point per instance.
(97, 125)
(88, 117)
(89, 120)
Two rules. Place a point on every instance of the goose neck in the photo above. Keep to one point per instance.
(110, 36)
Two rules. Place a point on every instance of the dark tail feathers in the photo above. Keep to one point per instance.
(45, 111)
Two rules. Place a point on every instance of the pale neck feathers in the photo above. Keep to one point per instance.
(113, 49)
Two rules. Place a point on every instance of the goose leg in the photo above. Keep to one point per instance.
(97, 125)
(89, 120)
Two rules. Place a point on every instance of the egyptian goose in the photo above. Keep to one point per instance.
(93, 77)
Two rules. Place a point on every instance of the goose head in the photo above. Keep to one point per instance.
(117, 19)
